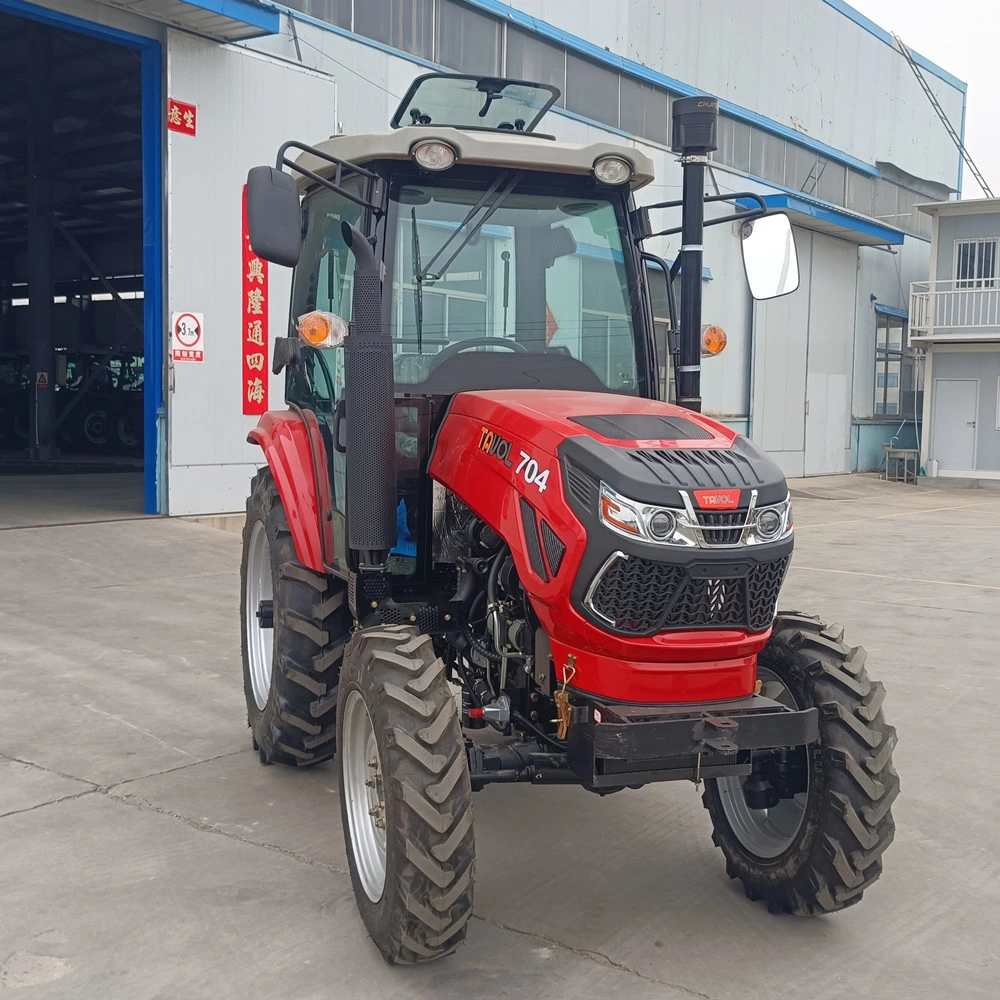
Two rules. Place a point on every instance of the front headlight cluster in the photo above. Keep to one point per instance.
(637, 520)
(671, 526)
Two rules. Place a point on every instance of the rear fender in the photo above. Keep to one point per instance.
(284, 436)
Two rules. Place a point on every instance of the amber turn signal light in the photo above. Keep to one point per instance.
(713, 340)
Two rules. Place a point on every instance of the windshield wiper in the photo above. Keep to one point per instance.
(418, 287)
(426, 274)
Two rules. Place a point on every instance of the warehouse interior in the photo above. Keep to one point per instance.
(71, 254)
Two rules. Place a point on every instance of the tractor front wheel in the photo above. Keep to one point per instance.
(295, 625)
(806, 830)
(405, 795)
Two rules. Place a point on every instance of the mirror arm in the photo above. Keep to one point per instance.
(282, 161)
(640, 216)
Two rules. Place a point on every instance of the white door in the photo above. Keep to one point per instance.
(830, 356)
(953, 439)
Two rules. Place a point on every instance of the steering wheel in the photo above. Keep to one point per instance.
(464, 345)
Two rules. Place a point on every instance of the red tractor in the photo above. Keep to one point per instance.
(483, 550)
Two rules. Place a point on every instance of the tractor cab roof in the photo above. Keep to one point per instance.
(489, 122)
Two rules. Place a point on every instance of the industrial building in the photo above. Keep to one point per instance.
(127, 128)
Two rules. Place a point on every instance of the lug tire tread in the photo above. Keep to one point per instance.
(430, 853)
(298, 724)
(848, 825)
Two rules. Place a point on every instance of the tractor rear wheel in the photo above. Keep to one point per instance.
(405, 795)
(818, 846)
(295, 625)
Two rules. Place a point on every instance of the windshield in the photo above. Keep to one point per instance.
(474, 102)
(504, 269)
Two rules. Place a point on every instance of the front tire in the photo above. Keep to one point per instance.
(291, 669)
(405, 796)
(818, 851)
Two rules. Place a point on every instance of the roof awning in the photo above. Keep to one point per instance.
(820, 217)
(226, 20)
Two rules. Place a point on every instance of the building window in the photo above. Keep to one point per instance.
(529, 58)
(336, 12)
(645, 110)
(767, 156)
(859, 193)
(467, 41)
(403, 24)
(894, 367)
(591, 90)
(734, 144)
(976, 263)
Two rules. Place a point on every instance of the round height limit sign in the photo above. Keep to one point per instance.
(187, 337)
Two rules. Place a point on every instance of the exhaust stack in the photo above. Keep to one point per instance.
(694, 136)
(368, 399)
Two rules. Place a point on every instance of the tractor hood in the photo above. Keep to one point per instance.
(645, 449)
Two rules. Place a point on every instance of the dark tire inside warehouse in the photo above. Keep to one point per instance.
(73, 370)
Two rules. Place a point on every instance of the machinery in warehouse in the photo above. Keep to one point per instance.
(482, 550)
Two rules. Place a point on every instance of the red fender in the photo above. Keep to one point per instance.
(284, 438)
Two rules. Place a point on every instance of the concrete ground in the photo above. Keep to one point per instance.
(144, 853)
(52, 498)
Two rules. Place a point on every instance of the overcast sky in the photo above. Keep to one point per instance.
(962, 37)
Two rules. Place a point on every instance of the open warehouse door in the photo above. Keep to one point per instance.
(80, 267)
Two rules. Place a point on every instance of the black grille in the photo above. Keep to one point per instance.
(554, 548)
(716, 520)
(635, 593)
(718, 602)
(763, 584)
(530, 524)
(641, 596)
(581, 485)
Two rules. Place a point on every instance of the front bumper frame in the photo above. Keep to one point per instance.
(612, 745)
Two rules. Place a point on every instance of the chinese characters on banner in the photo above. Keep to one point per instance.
(182, 117)
(254, 325)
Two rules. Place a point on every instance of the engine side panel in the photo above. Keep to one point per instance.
(495, 449)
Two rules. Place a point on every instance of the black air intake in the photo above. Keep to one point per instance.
(368, 395)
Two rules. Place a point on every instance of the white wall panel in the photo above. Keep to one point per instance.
(247, 105)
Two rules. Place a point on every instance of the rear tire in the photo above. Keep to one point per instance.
(826, 862)
(405, 796)
(290, 672)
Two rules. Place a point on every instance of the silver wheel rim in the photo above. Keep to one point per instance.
(260, 641)
(364, 794)
(765, 833)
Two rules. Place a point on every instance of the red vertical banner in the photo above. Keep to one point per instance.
(254, 325)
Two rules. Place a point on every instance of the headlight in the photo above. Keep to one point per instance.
(613, 170)
(434, 155)
(662, 524)
(646, 522)
(768, 523)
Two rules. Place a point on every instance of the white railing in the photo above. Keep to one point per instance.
(948, 308)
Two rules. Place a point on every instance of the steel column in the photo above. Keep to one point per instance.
(40, 243)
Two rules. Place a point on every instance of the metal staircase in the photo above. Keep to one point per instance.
(955, 137)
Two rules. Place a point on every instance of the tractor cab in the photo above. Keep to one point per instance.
(503, 260)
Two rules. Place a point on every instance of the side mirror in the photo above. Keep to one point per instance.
(274, 217)
(769, 258)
